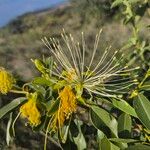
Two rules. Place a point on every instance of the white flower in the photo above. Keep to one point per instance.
(103, 77)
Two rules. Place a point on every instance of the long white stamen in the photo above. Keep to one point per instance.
(95, 49)
(83, 55)
(99, 63)
(106, 78)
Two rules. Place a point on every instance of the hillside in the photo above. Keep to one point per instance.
(21, 39)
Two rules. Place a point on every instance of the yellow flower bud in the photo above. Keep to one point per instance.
(6, 81)
(68, 105)
(30, 111)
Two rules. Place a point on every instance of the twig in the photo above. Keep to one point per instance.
(52, 140)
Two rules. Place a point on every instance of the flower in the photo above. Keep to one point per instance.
(67, 101)
(6, 81)
(30, 111)
(98, 75)
(67, 106)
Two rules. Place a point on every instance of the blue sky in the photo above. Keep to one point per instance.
(10, 9)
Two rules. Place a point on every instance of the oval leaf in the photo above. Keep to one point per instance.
(123, 140)
(101, 118)
(107, 145)
(142, 108)
(42, 81)
(124, 126)
(125, 107)
(138, 147)
(8, 131)
(9, 107)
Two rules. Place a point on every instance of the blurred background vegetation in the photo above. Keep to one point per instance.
(20, 41)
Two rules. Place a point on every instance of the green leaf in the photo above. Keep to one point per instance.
(106, 102)
(49, 62)
(79, 139)
(138, 147)
(123, 140)
(124, 106)
(52, 107)
(100, 136)
(64, 133)
(42, 81)
(101, 119)
(124, 126)
(107, 145)
(12, 105)
(38, 88)
(114, 147)
(40, 66)
(142, 108)
(117, 141)
(8, 133)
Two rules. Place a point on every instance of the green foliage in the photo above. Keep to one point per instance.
(110, 122)
(80, 139)
(142, 105)
(11, 106)
(124, 125)
(106, 144)
(101, 119)
(124, 106)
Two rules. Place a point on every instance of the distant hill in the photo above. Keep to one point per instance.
(18, 8)
(21, 39)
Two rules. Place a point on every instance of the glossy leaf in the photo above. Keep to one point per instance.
(39, 88)
(117, 141)
(102, 118)
(64, 133)
(124, 106)
(42, 81)
(123, 140)
(142, 108)
(138, 147)
(124, 125)
(12, 105)
(107, 145)
(80, 139)
(100, 136)
(40, 66)
(8, 132)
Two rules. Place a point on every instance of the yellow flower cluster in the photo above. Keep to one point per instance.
(30, 111)
(6, 81)
(68, 101)
(66, 108)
